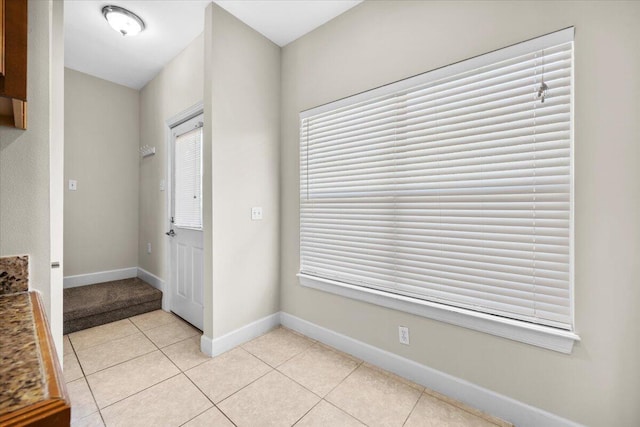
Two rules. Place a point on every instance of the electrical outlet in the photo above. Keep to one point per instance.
(256, 213)
(148, 248)
(403, 335)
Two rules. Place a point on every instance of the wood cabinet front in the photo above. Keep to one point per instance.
(1, 38)
(13, 63)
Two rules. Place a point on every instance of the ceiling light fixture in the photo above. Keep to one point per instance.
(123, 21)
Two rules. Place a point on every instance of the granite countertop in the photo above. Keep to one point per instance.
(21, 371)
(14, 274)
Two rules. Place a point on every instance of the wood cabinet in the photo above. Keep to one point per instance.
(13, 63)
(1, 38)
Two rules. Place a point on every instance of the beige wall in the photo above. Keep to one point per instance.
(24, 168)
(379, 42)
(242, 99)
(177, 87)
(101, 153)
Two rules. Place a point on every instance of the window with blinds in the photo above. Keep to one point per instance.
(453, 186)
(188, 179)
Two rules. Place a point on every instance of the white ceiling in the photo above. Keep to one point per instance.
(92, 47)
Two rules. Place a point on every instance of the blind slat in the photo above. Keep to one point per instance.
(188, 179)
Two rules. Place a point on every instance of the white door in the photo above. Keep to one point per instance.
(185, 234)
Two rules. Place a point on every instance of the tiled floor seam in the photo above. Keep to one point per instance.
(119, 363)
(75, 354)
(413, 408)
(225, 415)
(206, 410)
(308, 389)
(84, 377)
(142, 330)
(133, 358)
(464, 407)
(96, 345)
(94, 401)
(276, 367)
(245, 386)
(305, 414)
(294, 380)
(196, 386)
(282, 363)
(475, 415)
(137, 392)
(192, 382)
(467, 411)
(169, 357)
(348, 413)
(337, 385)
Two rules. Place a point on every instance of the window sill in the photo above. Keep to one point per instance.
(537, 335)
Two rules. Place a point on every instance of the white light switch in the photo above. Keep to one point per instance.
(256, 213)
(73, 185)
(162, 185)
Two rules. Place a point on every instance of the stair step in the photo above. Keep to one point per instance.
(93, 305)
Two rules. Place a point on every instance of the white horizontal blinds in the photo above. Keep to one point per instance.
(188, 179)
(455, 190)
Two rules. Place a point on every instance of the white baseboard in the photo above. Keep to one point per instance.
(493, 403)
(216, 346)
(151, 279)
(157, 283)
(99, 277)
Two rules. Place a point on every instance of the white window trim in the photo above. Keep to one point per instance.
(541, 336)
(551, 338)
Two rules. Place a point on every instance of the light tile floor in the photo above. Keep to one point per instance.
(148, 371)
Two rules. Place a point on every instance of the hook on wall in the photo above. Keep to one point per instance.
(146, 151)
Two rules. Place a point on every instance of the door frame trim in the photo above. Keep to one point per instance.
(187, 114)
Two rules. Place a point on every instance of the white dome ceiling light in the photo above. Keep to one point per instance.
(123, 21)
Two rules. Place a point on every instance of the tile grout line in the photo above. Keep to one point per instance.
(84, 377)
(139, 391)
(413, 408)
(338, 385)
(96, 345)
(207, 397)
(133, 358)
(345, 378)
(483, 417)
(195, 385)
(342, 410)
(308, 389)
(240, 347)
(137, 357)
(322, 398)
(285, 361)
(305, 414)
(122, 363)
(243, 387)
(183, 372)
(314, 344)
(273, 369)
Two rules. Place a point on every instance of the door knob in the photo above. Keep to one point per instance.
(170, 233)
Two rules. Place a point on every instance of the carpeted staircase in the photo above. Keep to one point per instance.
(93, 305)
